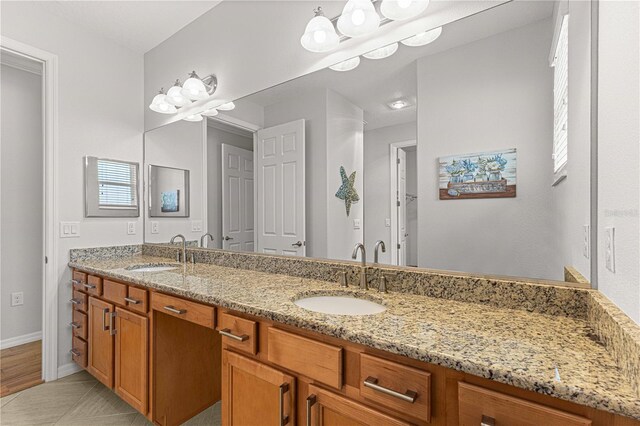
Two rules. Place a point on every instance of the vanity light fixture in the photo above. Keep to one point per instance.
(424, 38)
(175, 96)
(226, 107)
(347, 65)
(382, 52)
(212, 112)
(399, 10)
(160, 104)
(197, 89)
(319, 35)
(193, 117)
(358, 18)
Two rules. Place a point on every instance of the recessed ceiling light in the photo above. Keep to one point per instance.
(398, 104)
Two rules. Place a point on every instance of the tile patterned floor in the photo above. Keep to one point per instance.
(79, 399)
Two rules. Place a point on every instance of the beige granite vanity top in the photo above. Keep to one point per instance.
(553, 355)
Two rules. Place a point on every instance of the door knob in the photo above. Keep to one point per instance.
(227, 238)
(297, 244)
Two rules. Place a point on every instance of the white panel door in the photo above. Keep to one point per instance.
(237, 199)
(280, 224)
(402, 207)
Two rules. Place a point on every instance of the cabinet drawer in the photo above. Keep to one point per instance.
(316, 360)
(115, 292)
(137, 299)
(396, 386)
(239, 333)
(476, 404)
(79, 324)
(93, 285)
(79, 352)
(78, 279)
(191, 311)
(80, 301)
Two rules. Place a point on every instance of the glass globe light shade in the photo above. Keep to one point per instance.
(424, 38)
(193, 117)
(358, 18)
(399, 10)
(212, 112)
(194, 88)
(159, 104)
(319, 35)
(347, 65)
(175, 96)
(383, 52)
(226, 107)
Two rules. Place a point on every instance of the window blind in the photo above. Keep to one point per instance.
(561, 98)
(117, 185)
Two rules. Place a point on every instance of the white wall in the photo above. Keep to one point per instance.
(376, 182)
(215, 138)
(100, 113)
(21, 153)
(253, 45)
(491, 94)
(572, 197)
(180, 145)
(344, 147)
(618, 151)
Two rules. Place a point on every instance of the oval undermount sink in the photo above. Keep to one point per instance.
(340, 305)
(151, 268)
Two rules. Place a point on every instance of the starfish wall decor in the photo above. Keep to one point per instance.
(347, 190)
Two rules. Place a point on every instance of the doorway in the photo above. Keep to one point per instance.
(404, 203)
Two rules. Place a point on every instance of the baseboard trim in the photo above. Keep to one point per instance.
(20, 340)
(68, 369)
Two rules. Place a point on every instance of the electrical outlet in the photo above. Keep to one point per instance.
(196, 226)
(131, 228)
(69, 229)
(155, 227)
(610, 249)
(586, 235)
(17, 298)
(356, 223)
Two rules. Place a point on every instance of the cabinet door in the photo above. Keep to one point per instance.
(132, 357)
(101, 332)
(326, 408)
(254, 393)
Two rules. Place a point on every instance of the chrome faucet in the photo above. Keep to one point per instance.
(363, 274)
(184, 246)
(203, 238)
(379, 244)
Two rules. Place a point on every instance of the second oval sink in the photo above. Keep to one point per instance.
(340, 305)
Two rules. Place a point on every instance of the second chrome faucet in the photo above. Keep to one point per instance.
(363, 260)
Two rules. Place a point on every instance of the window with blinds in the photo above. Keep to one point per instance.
(561, 98)
(117, 185)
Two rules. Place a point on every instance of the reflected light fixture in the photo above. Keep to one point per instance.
(399, 10)
(347, 65)
(424, 38)
(383, 52)
(212, 112)
(193, 117)
(160, 104)
(319, 35)
(175, 96)
(358, 18)
(226, 107)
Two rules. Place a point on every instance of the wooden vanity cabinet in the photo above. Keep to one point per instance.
(132, 358)
(101, 340)
(254, 393)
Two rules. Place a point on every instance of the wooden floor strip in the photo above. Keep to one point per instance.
(20, 367)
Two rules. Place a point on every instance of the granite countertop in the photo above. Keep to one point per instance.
(552, 355)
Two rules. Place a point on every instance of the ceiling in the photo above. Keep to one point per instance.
(377, 82)
(136, 25)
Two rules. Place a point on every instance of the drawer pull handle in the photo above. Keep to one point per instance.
(89, 286)
(75, 325)
(284, 388)
(132, 301)
(76, 301)
(112, 326)
(311, 400)
(75, 352)
(226, 332)
(487, 421)
(408, 396)
(105, 311)
(175, 311)
(76, 282)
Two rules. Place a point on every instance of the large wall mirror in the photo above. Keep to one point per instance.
(464, 154)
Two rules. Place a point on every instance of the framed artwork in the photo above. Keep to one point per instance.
(482, 175)
(170, 201)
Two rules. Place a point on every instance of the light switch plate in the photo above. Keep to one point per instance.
(196, 226)
(610, 249)
(131, 228)
(69, 229)
(356, 223)
(387, 223)
(586, 235)
(155, 227)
